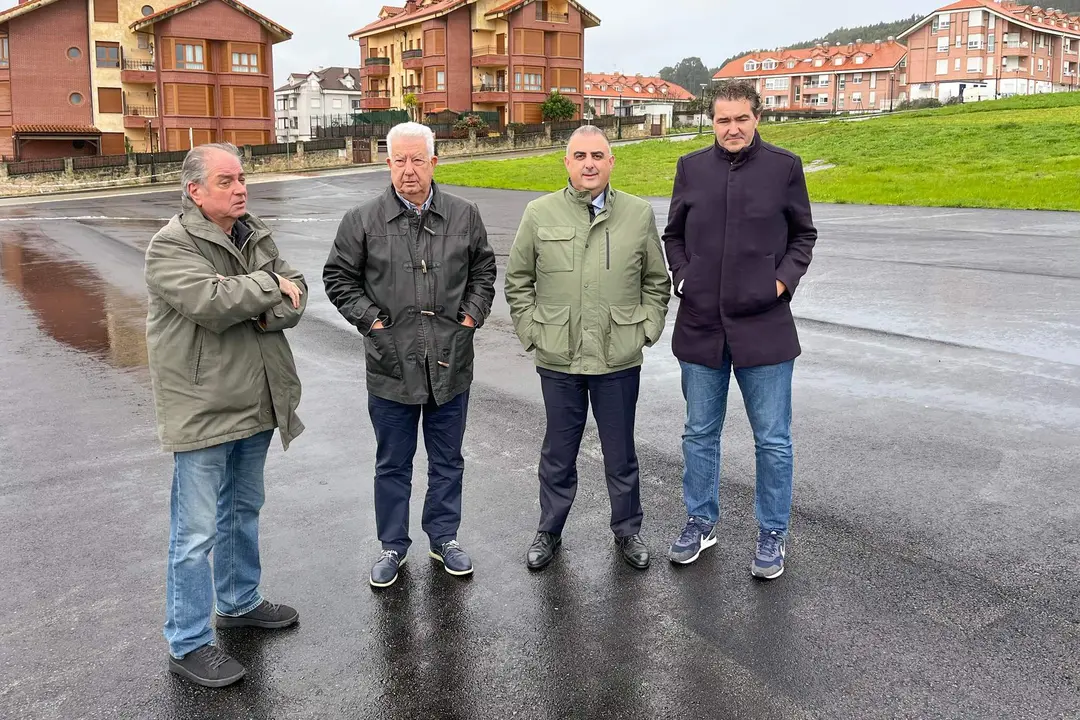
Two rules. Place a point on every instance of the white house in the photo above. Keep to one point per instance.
(312, 99)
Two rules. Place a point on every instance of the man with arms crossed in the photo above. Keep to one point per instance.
(223, 379)
(587, 290)
(739, 238)
(413, 272)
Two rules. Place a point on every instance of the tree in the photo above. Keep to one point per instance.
(411, 104)
(689, 73)
(557, 107)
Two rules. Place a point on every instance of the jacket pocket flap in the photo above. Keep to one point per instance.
(552, 314)
(559, 232)
(628, 315)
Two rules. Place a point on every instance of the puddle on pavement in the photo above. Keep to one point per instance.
(76, 306)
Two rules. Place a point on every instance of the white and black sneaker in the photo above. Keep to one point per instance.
(698, 535)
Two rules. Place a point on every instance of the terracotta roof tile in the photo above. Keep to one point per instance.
(886, 56)
(629, 82)
(236, 4)
(46, 129)
(1015, 12)
(436, 8)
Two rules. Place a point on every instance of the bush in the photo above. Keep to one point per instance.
(462, 127)
(924, 104)
(515, 126)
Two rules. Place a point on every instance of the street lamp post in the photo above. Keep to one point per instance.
(701, 108)
(892, 91)
(618, 115)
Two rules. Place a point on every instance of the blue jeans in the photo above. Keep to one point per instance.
(217, 493)
(396, 427)
(766, 392)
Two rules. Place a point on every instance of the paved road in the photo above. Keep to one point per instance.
(934, 539)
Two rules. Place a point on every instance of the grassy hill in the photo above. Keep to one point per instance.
(1022, 152)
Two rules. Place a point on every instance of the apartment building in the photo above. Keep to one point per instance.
(307, 99)
(981, 49)
(857, 77)
(498, 56)
(89, 77)
(612, 93)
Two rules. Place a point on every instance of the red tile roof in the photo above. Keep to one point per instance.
(391, 16)
(433, 9)
(280, 31)
(885, 56)
(591, 20)
(23, 8)
(43, 129)
(1027, 15)
(603, 85)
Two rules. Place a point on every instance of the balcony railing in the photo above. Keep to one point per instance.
(488, 50)
(148, 111)
(368, 62)
(490, 88)
(545, 15)
(376, 93)
(411, 54)
(144, 65)
(414, 89)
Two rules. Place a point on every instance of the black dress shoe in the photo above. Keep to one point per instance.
(542, 551)
(634, 551)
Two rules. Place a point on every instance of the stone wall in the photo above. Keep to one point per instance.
(164, 173)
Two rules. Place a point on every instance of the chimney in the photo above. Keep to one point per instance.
(410, 6)
(877, 44)
(891, 40)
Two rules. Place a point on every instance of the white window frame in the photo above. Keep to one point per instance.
(943, 44)
(860, 59)
(943, 67)
(976, 18)
(977, 62)
(975, 42)
(750, 66)
(944, 21)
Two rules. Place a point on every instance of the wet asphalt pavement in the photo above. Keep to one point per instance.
(934, 542)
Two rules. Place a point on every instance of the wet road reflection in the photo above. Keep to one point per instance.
(75, 305)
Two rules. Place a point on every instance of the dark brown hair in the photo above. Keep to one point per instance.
(736, 90)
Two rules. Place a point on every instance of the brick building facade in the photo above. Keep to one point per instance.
(981, 49)
(87, 77)
(496, 56)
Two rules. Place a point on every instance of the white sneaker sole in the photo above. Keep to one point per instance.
(392, 580)
(706, 543)
(455, 573)
(763, 576)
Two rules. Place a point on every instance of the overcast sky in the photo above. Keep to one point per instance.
(635, 36)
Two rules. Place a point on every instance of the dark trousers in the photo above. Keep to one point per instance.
(395, 434)
(614, 402)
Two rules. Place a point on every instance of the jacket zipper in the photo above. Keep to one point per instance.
(198, 359)
(607, 234)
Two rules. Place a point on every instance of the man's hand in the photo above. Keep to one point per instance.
(377, 325)
(781, 288)
(290, 290)
(468, 321)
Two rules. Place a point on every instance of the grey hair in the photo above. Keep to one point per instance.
(412, 130)
(194, 169)
(736, 90)
(587, 131)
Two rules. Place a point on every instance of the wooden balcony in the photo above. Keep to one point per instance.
(376, 67)
(138, 71)
(490, 93)
(490, 56)
(375, 100)
(412, 59)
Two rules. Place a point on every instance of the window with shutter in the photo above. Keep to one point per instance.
(528, 42)
(110, 100)
(434, 42)
(5, 97)
(105, 11)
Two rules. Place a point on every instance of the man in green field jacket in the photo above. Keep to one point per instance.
(587, 289)
(220, 297)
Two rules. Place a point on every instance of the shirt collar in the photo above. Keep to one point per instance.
(418, 210)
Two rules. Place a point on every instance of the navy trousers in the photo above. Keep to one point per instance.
(396, 428)
(614, 403)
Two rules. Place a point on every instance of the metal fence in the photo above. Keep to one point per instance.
(99, 161)
(28, 167)
(274, 149)
(324, 144)
(175, 156)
